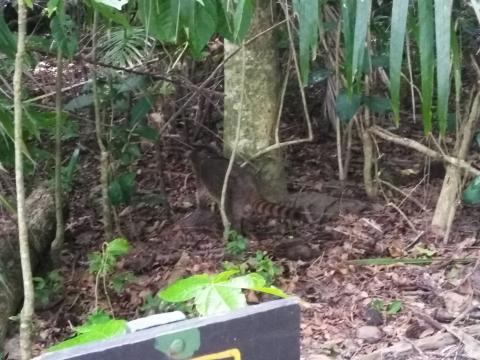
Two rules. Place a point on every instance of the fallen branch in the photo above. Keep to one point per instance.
(412, 144)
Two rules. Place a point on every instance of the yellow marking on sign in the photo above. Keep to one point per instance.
(230, 353)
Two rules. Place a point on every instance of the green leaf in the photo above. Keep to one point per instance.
(140, 110)
(121, 189)
(225, 276)
(348, 26)
(362, 20)
(185, 289)
(111, 14)
(272, 290)
(346, 107)
(242, 19)
(471, 195)
(377, 304)
(309, 23)
(394, 307)
(216, 300)
(443, 20)
(79, 102)
(378, 104)
(426, 44)
(159, 19)
(198, 22)
(118, 247)
(8, 42)
(93, 332)
(65, 33)
(249, 281)
(397, 41)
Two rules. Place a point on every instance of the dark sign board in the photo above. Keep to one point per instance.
(269, 331)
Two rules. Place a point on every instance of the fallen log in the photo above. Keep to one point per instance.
(40, 209)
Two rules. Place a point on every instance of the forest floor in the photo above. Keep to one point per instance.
(349, 310)
(342, 306)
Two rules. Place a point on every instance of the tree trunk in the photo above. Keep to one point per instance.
(260, 102)
(447, 201)
(40, 214)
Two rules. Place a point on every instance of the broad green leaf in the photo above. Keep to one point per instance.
(121, 189)
(52, 6)
(79, 102)
(426, 47)
(65, 34)
(272, 290)
(140, 110)
(397, 41)
(185, 289)
(111, 14)
(248, 281)
(198, 22)
(159, 19)
(362, 20)
(348, 26)
(94, 332)
(378, 104)
(443, 21)
(309, 23)
(8, 42)
(225, 276)
(394, 307)
(242, 19)
(118, 247)
(217, 300)
(147, 132)
(346, 107)
(471, 195)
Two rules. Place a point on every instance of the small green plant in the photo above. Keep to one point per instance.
(102, 264)
(214, 294)
(263, 265)
(98, 326)
(236, 244)
(118, 281)
(260, 263)
(154, 305)
(391, 308)
(47, 288)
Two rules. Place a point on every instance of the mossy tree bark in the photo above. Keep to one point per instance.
(260, 102)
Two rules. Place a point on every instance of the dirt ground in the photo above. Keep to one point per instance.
(436, 303)
(337, 318)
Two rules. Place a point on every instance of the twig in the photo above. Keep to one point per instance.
(225, 220)
(407, 196)
(403, 215)
(279, 145)
(412, 144)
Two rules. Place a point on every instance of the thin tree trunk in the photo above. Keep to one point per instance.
(106, 211)
(57, 245)
(447, 201)
(28, 292)
(261, 101)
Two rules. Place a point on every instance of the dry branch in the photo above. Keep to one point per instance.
(412, 144)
